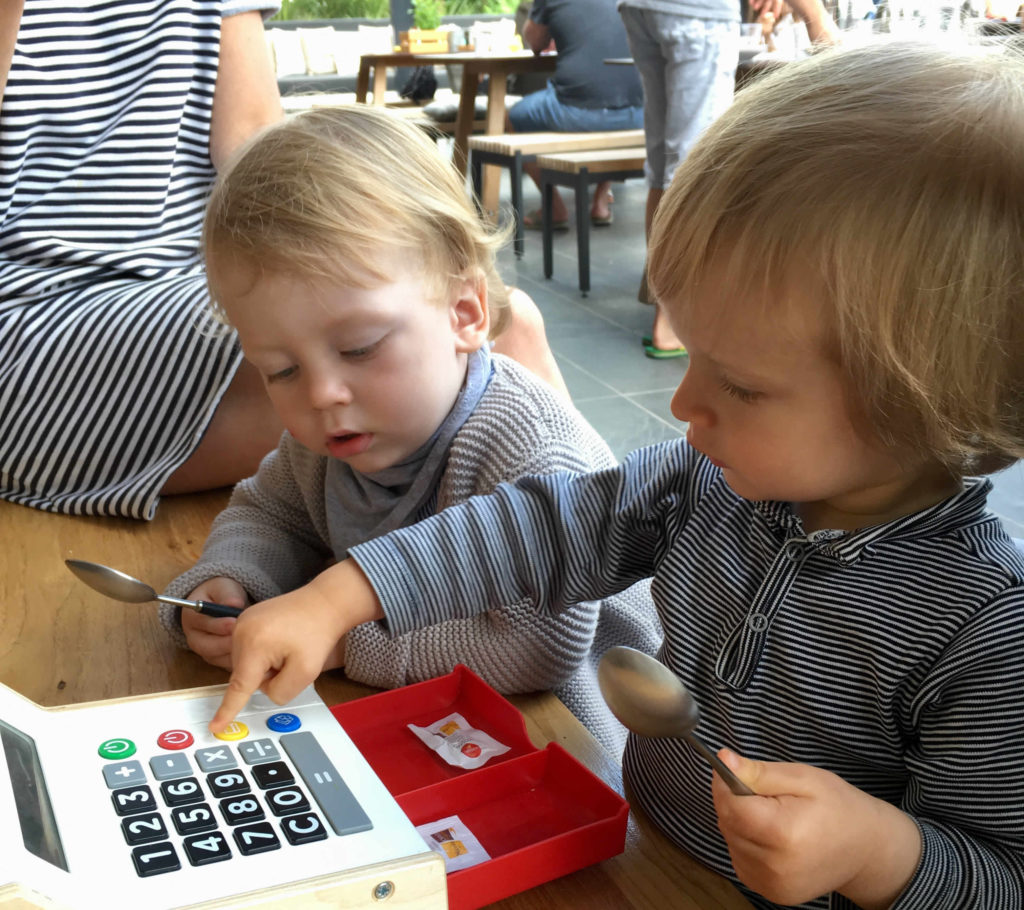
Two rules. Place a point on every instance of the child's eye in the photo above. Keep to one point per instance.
(359, 353)
(740, 394)
(282, 375)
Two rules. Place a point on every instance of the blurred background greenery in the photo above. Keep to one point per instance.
(380, 9)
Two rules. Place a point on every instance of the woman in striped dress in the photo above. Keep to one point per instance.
(114, 385)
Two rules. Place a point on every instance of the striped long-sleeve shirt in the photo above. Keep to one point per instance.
(892, 656)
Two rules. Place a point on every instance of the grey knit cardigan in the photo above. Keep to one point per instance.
(273, 536)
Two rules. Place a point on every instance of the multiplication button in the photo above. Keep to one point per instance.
(215, 758)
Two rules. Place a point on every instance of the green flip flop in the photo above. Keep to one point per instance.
(662, 353)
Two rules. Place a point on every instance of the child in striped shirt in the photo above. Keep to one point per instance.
(840, 254)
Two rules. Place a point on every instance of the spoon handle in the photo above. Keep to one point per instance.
(201, 606)
(212, 609)
(732, 781)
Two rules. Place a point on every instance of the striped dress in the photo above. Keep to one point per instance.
(892, 656)
(110, 369)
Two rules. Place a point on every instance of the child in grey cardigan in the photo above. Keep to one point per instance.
(361, 283)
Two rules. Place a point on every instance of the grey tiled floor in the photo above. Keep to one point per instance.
(596, 339)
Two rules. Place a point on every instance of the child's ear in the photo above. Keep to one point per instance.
(470, 318)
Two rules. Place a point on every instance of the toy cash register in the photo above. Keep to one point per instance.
(134, 803)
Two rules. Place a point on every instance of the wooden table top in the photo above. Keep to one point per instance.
(61, 643)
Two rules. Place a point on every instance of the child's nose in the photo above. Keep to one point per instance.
(686, 403)
(327, 390)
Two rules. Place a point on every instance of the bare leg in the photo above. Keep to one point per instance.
(558, 210)
(244, 428)
(10, 20)
(662, 335)
(525, 340)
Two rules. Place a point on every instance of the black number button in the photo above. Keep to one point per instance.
(193, 819)
(207, 848)
(143, 829)
(303, 829)
(227, 783)
(257, 838)
(155, 858)
(133, 800)
(287, 801)
(181, 792)
(241, 810)
(273, 774)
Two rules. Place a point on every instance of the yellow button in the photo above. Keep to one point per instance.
(233, 731)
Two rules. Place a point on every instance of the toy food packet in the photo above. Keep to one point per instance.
(458, 743)
(455, 842)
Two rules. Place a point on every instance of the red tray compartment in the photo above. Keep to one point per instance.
(539, 814)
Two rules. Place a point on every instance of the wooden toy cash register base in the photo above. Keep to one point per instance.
(134, 804)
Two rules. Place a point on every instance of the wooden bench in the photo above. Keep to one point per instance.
(577, 170)
(513, 150)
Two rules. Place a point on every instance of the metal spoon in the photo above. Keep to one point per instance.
(649, 699)
(130, 590)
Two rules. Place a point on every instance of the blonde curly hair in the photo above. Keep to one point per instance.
(890, 178)
(328, 192)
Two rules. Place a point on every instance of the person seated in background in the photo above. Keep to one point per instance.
(347, 255)
(585, 94)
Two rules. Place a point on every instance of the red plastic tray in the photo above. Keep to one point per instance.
(539, 813)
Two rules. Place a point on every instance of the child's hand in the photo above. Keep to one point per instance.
(287, 640)
(210, 636)
(807, 832)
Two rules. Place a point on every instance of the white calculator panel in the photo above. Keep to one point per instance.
(235, 855)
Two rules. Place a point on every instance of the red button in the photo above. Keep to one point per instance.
(175, 739)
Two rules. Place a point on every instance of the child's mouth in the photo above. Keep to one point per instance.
(345, 445)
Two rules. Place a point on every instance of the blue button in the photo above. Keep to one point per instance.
(284, 723)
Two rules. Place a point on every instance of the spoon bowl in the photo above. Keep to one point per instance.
(648, 699)
(119, 586)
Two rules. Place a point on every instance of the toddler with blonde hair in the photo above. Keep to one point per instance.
(840, 254)
(347, 255)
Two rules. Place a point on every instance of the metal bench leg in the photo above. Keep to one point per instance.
(516, 179)
(547, 192)
(583, 228)
(476, 169)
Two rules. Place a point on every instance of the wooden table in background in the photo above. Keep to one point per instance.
(61, 643)
(474, 68)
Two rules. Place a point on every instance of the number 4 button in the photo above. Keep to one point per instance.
(207, 848)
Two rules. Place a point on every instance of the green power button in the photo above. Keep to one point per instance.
(117, 748)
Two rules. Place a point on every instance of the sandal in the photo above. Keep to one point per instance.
(661, 353)
(534, 221)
